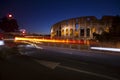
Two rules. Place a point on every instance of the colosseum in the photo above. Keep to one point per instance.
(81, 27)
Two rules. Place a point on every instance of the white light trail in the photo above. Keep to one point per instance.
(106, 49)
(2, 43)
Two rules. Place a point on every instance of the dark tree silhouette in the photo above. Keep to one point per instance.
(113, 34)
(115, 28)
(8, 25)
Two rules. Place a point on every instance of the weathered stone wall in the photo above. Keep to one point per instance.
(81, 27)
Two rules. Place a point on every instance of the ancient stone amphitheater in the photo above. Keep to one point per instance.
(81, 27)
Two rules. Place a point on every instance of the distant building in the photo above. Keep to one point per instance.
(81, 27)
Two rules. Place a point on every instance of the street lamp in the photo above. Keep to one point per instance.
(10, 15)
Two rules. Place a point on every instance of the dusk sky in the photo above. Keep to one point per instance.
(39, 15)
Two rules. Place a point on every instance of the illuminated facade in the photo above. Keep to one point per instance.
(81, 27)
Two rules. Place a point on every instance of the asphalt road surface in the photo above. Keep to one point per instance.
(59, 64)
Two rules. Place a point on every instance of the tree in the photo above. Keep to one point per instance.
(115, 28)
(8, 24)
(113, 34)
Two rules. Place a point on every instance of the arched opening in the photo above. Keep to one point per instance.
(66, 32)
(82, 31)
(71, 32)
(87, 32)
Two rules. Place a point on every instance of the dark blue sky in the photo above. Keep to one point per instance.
(39, 15)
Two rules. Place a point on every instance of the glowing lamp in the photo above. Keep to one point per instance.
(10, 15)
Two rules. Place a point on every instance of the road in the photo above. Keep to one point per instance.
(60, 64)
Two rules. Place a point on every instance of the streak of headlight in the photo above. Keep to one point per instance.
(2, 43)
(33, 39)
(106, 49)
(48, 40)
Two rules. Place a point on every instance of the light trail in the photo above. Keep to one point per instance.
(48, 40)
(106, 49)
(2, 43)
